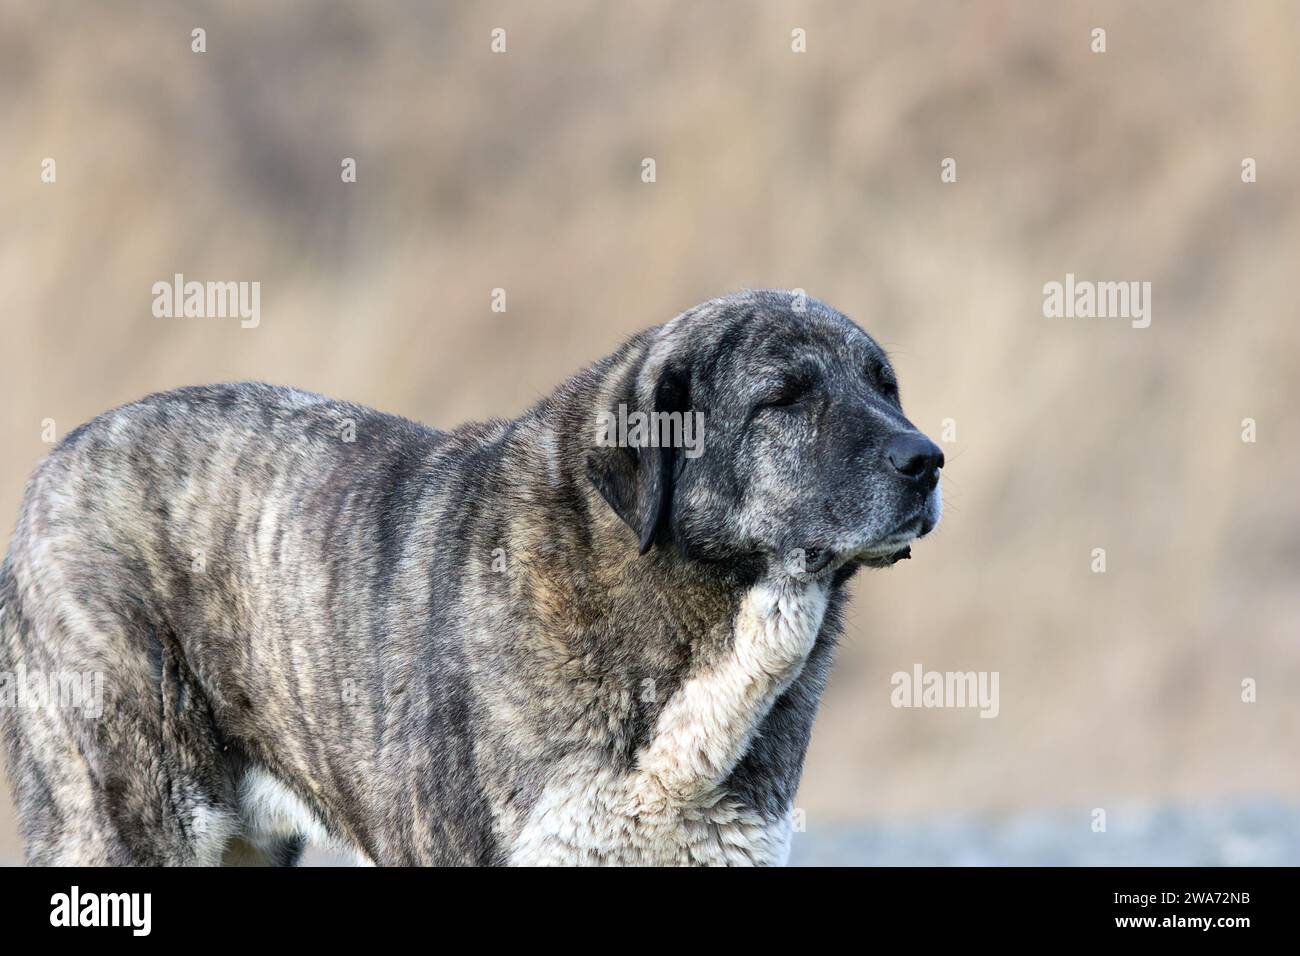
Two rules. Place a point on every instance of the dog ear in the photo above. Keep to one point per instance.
(637, 481)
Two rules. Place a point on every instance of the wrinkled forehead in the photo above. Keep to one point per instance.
(729, 342)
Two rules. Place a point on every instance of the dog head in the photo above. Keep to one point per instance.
(764, 424)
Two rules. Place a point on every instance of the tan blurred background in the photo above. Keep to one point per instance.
(818, 170)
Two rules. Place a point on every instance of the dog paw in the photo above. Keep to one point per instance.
(778, 624)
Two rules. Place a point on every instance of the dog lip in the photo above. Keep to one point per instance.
(884, 559)
(896, 541)
(894, 548)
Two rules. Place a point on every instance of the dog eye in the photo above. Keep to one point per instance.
(788, 394)
(884, 379)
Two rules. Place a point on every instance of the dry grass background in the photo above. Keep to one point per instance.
(774, 169)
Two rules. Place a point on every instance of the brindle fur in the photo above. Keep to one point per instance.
(441, 643)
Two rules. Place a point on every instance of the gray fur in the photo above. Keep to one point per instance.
(274, 606)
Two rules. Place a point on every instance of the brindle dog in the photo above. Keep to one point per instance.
(513, 642)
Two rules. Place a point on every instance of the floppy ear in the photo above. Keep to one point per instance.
(638, 481)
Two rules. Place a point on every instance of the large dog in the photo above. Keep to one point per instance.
(566, 638)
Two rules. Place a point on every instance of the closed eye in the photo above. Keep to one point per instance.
(788, 393)
(781, 401)
(884, 379)
(786, 396)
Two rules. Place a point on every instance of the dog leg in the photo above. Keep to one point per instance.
(135, 779)
(708, 725)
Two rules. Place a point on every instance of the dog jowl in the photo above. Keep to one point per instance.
(510, 642)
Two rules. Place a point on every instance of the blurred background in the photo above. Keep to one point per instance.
(820, 170)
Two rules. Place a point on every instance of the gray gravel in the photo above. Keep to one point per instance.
(1242, 833)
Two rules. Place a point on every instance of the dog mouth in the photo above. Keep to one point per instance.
(896, 546)
(880, 552)
(814, 561)
(883, 555)
(885, 560)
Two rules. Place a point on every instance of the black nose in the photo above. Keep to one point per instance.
(914, 455)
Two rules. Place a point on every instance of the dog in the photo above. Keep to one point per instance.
(538, 641)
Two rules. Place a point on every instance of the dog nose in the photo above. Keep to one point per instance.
(914, 455)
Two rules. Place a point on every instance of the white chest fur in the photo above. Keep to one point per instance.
(674, 808)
